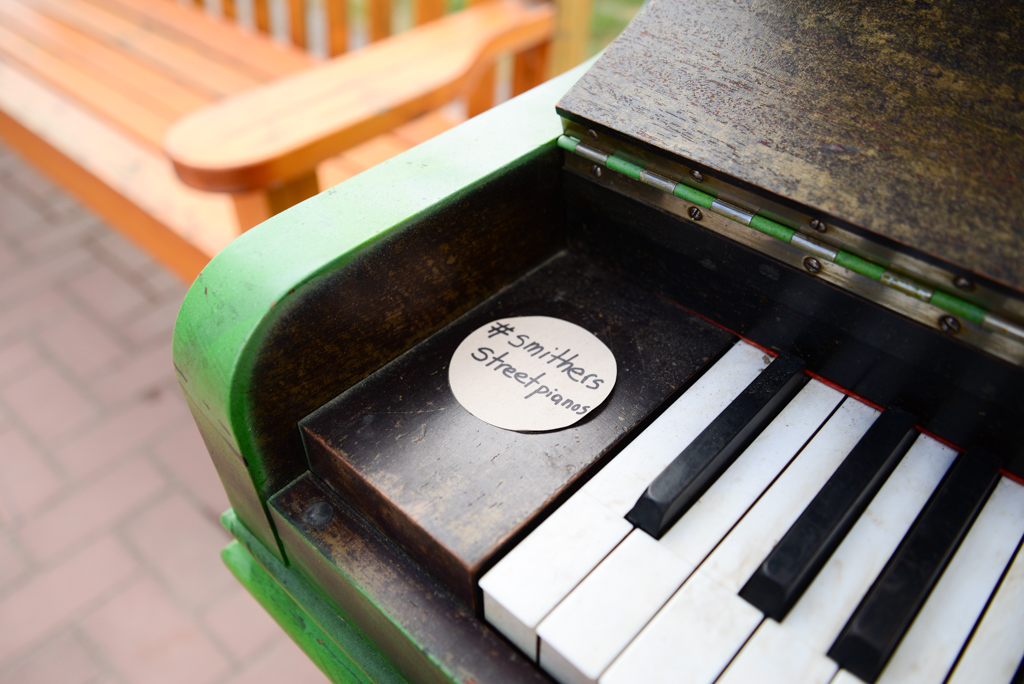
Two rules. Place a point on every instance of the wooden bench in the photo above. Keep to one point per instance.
(122, 100)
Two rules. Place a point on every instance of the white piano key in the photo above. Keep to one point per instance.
(622, 481)
(997, 646)
(773, 656)
(844, 677)
(581, 637)
(691, 639)
(542, 569)
(703, 526)
(823, 610)
(748, 544)
(927, 651)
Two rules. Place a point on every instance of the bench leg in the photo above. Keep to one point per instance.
(530, 68)
(256, 207)
(482, 97)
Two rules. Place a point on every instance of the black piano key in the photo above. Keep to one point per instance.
(1018, 676)
(884, 615)
(690, 474)
(795, 561)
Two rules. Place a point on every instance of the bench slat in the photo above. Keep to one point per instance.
(146, 86)
(261, 57)
(130, 185)
(145, 124)
(321, 112)
(179, 62)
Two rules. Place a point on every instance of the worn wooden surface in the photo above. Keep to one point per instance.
(427, 634)
(904, 118)
(452, 489)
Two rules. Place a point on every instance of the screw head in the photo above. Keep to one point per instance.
(812, 264)
(697, 176)
(595, 170)
(318, 513)
(963, 283)
(819, 225)
(592, 133)
(949, 324)
(695, 213)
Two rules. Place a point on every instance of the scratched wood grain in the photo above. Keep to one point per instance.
(453, 490)
(900, 117)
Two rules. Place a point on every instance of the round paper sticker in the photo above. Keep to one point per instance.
(531, 373)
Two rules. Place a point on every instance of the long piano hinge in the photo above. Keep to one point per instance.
(814, 248)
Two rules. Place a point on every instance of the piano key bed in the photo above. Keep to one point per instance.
(918, 586)
(799, 535)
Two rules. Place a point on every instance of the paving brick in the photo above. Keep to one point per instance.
(122, 432)
(151, 641)
(165, 284)
(73, 231)
(91, 509)
(107, 293)
(240, 623)
(22, 317)
(122, 255)
(284, 662)
(54, 597)
(48, 404)
(16, 214)
(183, 547)
(80, 344)
(63, 659)
(40, 190)
(16, 358)
(157, 323)
(8, 259)
(141, 374)
(41, 274)
(12, 562)
(184, 454)
(26, 479)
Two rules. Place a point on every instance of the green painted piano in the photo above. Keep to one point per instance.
(797, 226)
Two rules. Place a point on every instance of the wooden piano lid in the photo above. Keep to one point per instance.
(902, 118)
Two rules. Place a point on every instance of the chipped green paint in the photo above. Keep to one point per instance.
(303, 613)
(959, 307)
(624, 167)
(773, 228)
(859, 265)
(693, 195)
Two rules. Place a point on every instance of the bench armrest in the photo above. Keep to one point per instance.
(281, 131)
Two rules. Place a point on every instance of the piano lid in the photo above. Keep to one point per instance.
(904, 118)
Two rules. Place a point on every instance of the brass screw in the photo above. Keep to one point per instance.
(819, 225)
(811, 264)
(695, 213)
(592, 133)
(949, 324)
(596, 170)
(963, 283)
(697, 176)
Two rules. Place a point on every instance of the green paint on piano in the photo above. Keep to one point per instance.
(312, 623)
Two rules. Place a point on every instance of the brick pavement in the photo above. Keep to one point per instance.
(109, 505)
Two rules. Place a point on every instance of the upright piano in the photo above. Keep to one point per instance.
(796, 230)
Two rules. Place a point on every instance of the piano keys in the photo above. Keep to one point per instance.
(700, 629)
(728, 186)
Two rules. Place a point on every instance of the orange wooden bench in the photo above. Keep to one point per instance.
(121, 100)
